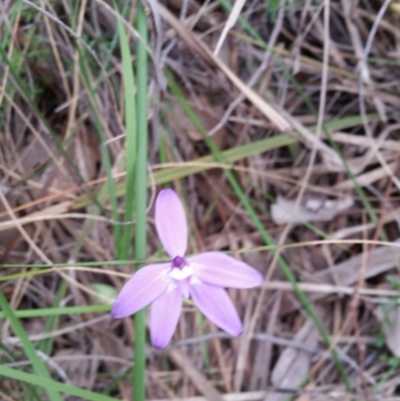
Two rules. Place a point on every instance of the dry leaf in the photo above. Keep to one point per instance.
(195, 375)
(389, 315)
(60, 175)
(293, 364)
(207, 113)
(311, 209)
(76, 367)
(113, 346)
(380, 260)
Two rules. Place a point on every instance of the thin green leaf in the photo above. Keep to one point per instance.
(258, 224)
(38, 365)
(52, 385)
(131, 138)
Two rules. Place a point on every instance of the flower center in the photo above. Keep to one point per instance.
(181, 273)
(179, 262)
(181, 270)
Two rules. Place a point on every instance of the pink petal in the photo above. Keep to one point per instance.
(222, 270)
(216, 305)
(144, 287)
(164, 316)
(171, 223)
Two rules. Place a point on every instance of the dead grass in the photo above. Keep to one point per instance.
(344, 56)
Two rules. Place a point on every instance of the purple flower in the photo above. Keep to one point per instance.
(201, 277)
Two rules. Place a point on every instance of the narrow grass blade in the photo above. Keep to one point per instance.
(20, 85)
(38, 365)
(258, 224)
(131, 139)
(58, 311)
(52, 385)
(46, 345)
(360, 192)
(104, 149)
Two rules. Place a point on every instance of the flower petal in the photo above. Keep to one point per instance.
(164, 316)
(215, 304)
(144, 287)
(171, 223)
(222, 270)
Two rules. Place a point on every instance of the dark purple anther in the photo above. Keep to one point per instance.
(178, 261)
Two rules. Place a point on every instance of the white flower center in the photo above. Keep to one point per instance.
(181, 274)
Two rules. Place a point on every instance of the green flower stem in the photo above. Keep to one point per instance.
(141, 197)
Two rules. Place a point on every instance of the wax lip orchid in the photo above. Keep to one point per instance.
(201, 277)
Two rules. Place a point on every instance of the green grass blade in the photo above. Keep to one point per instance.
(360, 192)
(106, 158)
(131, 138)
(60, 146)
(58, 311)
(52, 385)
(39, 367)
(46, 345)
(258, 224)
(205, 163)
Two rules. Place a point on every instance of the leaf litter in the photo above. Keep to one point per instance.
(239, 100)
